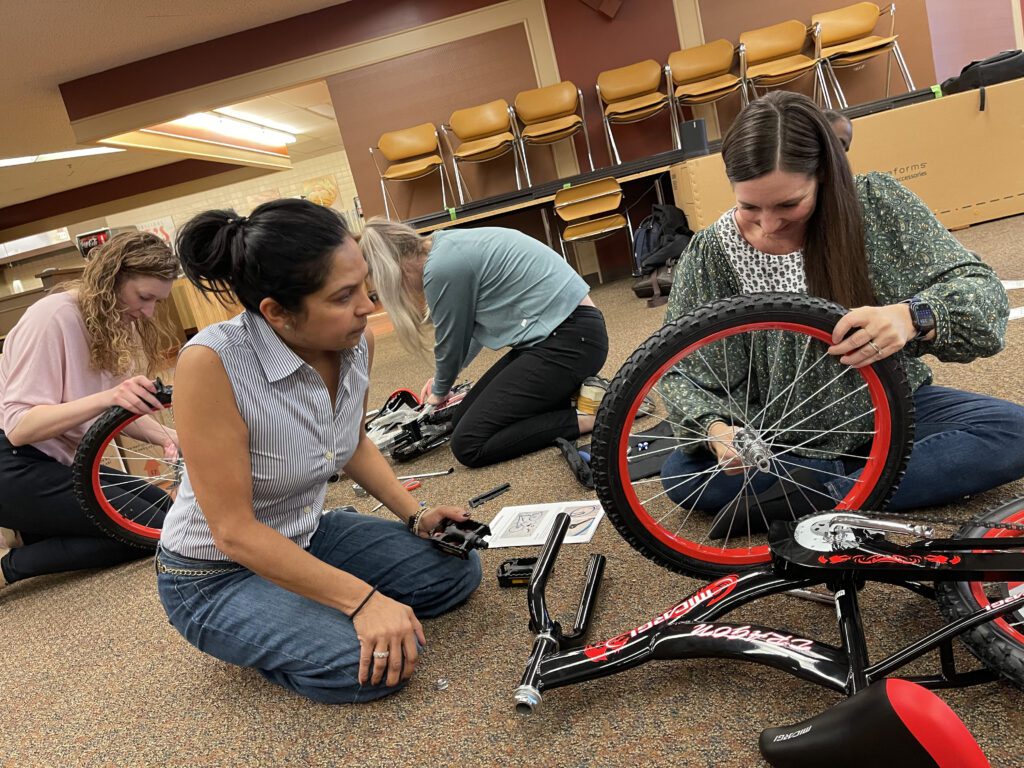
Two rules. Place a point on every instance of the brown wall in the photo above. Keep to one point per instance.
(962, 32)
(427, 86)
(729, 19)
(587, 42)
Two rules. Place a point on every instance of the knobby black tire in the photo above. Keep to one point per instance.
(85, 474)
(617, 407)
(998, 644)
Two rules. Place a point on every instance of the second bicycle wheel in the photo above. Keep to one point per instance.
(125, 484)
(760, 365)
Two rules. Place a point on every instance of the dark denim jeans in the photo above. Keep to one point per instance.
(964, 443)
(229, 612)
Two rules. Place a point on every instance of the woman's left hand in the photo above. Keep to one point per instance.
(436, 516)
(881, 332)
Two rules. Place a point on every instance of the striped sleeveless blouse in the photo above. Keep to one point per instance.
(298, 440)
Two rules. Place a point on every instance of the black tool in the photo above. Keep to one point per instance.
(476, 501)
(516, 572)
(458, 537)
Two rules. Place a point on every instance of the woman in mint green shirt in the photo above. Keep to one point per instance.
(492, 287)
(803, 223)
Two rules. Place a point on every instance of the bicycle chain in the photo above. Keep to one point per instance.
(902, 516)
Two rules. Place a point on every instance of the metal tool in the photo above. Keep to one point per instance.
(486, 496)
(360, 491)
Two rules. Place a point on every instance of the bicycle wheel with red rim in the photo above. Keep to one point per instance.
(125, 484)
(759, 364)
(999, 643)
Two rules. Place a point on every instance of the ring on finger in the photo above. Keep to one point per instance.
(381, 654)
(875, 347)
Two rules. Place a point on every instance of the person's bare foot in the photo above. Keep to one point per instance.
(586, 423)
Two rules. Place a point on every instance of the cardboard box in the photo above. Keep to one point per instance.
(966, 164)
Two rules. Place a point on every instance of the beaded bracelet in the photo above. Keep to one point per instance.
(365, 601)
(413, 523)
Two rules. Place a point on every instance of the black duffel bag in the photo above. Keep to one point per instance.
(1007, 65)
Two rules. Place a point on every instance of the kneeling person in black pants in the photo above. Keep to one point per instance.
(493, 287)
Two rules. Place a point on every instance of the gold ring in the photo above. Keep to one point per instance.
(875, 347)
(381, 654)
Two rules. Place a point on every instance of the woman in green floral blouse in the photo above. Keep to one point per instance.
(803, 223)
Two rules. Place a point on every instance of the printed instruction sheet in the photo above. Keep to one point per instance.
(528, 525)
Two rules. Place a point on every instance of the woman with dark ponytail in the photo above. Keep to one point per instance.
(802, 223)
(73, 355)
(269, 406)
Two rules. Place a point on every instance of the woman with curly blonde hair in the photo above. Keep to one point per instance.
(73, 355)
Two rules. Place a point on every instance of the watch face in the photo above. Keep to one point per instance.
(923, 317)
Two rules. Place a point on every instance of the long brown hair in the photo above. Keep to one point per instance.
(787, 131)
(115, 346)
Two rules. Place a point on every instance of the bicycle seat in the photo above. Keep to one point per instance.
(891, 722)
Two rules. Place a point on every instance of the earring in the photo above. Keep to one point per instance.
(287, 326)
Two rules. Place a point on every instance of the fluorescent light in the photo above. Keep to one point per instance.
(257, 119)
(235, 129)
(9, 161)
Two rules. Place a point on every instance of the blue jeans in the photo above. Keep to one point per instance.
(964, 443)
(305, 646)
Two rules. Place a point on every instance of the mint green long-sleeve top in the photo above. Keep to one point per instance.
(493, 287)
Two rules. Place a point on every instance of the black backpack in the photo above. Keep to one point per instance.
(658, 243)
(1007, 65)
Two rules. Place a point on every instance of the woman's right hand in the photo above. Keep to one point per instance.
(137, 394)
(427, 389)
(385, 625)
(720, 441)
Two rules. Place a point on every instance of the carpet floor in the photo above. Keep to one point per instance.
(93, 675)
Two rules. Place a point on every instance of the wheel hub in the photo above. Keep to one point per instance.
(753, 449)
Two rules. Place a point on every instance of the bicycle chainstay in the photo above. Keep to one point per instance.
(904, 518)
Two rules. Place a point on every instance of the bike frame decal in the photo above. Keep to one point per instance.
(745, 632)
(708, 595)
(874, 462)
(891, 559)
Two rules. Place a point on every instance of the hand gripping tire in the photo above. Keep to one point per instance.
(125, 485)
(758, 396)
(999, 643)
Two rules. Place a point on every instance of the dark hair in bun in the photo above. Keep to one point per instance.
(280, 251)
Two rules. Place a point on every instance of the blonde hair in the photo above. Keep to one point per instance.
(115, 346)
(386, 246)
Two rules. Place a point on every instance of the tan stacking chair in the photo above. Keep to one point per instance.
(702, 75)
(485, 132)
(591, 211)
(549, 115)
(773, 55)
(844, 38)
(411, 153)
(629, 95)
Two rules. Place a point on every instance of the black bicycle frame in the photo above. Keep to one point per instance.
(689, 630)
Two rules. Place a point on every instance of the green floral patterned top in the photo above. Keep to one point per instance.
(909, 253)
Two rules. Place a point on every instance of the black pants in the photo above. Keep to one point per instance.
(523, 402)
(37, 499)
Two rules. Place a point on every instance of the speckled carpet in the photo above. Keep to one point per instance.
(91, 674)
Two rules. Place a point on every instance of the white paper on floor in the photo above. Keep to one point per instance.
(528, 525)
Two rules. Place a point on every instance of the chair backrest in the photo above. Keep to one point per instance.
(540, 104)
(774, 42)
(483, 120)
(585, 200)
(845, 24)
(701, 62)
(626, 82)
(408, 142)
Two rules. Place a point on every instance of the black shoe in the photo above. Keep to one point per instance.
(579, 467)
(787, 499)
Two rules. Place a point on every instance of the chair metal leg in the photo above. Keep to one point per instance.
(384, 194)
(819, 79)
(586, 139)
(463, 190)
(834, 79)
(612, 149)
(526, 165)
(902, 65)
(442, 172)
(515, 161)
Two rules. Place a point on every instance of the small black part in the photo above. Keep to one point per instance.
(486, 496)
(516, 572)
(577, 465)
(458, 537)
